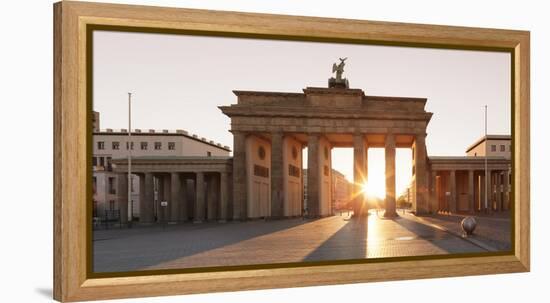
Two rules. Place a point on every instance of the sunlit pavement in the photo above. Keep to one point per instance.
(276, 241)
(493, 231)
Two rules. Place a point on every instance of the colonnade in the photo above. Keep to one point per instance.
(463, 191)
(196, 196)
(319, 169)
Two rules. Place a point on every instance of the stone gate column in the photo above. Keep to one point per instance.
(212, 197)
(142, 202)
(498, 179)
(223, 197)
(239, 176)
(490, 190)
(433, 192)
(359, 207)
(175, 197)
(147, 199)
(122, 197)
(506, 185)
(471, 196)
(199, 198)
(452, 181)
(166, 196)
(183, 207)
(421, 178)
(313, 175)
(277, 175)
(482, 192)
(390, 175)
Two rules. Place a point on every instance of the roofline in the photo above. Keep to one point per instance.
(482, 139)
(226, 148)
(434, 160)
(172, 158)
(466, 158)
(265, 93)
(324, 89)
(392, 98)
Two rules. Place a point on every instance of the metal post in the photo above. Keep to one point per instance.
(130, 159)
(486, 177)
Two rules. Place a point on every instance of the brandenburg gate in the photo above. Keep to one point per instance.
(265, 177)
(270, 129)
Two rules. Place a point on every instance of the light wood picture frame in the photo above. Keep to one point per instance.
(73, 280)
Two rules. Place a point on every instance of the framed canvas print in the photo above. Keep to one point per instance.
(204, 151)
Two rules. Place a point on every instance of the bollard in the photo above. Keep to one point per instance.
(468, 225)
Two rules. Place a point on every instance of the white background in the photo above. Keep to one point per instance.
(26, 150)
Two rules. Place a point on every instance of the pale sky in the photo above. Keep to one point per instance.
(178, 81)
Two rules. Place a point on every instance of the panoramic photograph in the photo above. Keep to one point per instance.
(221, 151)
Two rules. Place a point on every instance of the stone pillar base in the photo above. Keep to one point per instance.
(391, 214)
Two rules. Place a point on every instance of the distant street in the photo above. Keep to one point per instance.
(276, 241)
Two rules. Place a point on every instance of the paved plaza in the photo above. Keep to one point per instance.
(274, 241)
(493, 231)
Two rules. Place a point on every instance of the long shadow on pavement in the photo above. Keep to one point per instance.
(349, 242)
(150, 246)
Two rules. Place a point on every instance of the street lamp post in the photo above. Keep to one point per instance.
(486, 155)
(130, 160)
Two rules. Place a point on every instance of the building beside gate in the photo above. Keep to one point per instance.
(342, 191)
(108, 144)
(458, 183)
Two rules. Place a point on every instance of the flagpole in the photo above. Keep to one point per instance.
(486, 170)
(130, 159)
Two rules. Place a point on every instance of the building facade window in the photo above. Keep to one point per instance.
(493, 148)
(94, 161)
(111, 181)
(158, 145)
(101, 161)
(116, 145)
(100, 145)
(129, 145)
(261, 171)
(112, 205)
(143, 145)
(502, 147)
(293, 171)
(94, 185)
(209, 154)
(171, 145)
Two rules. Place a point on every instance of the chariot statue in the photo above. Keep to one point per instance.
(338, 82)
(339, 69)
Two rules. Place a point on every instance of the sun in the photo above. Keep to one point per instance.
(374, 188)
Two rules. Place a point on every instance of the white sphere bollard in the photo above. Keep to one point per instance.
(468, 225)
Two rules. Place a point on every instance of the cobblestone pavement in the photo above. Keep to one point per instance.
(264, 242)
(493, 231)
